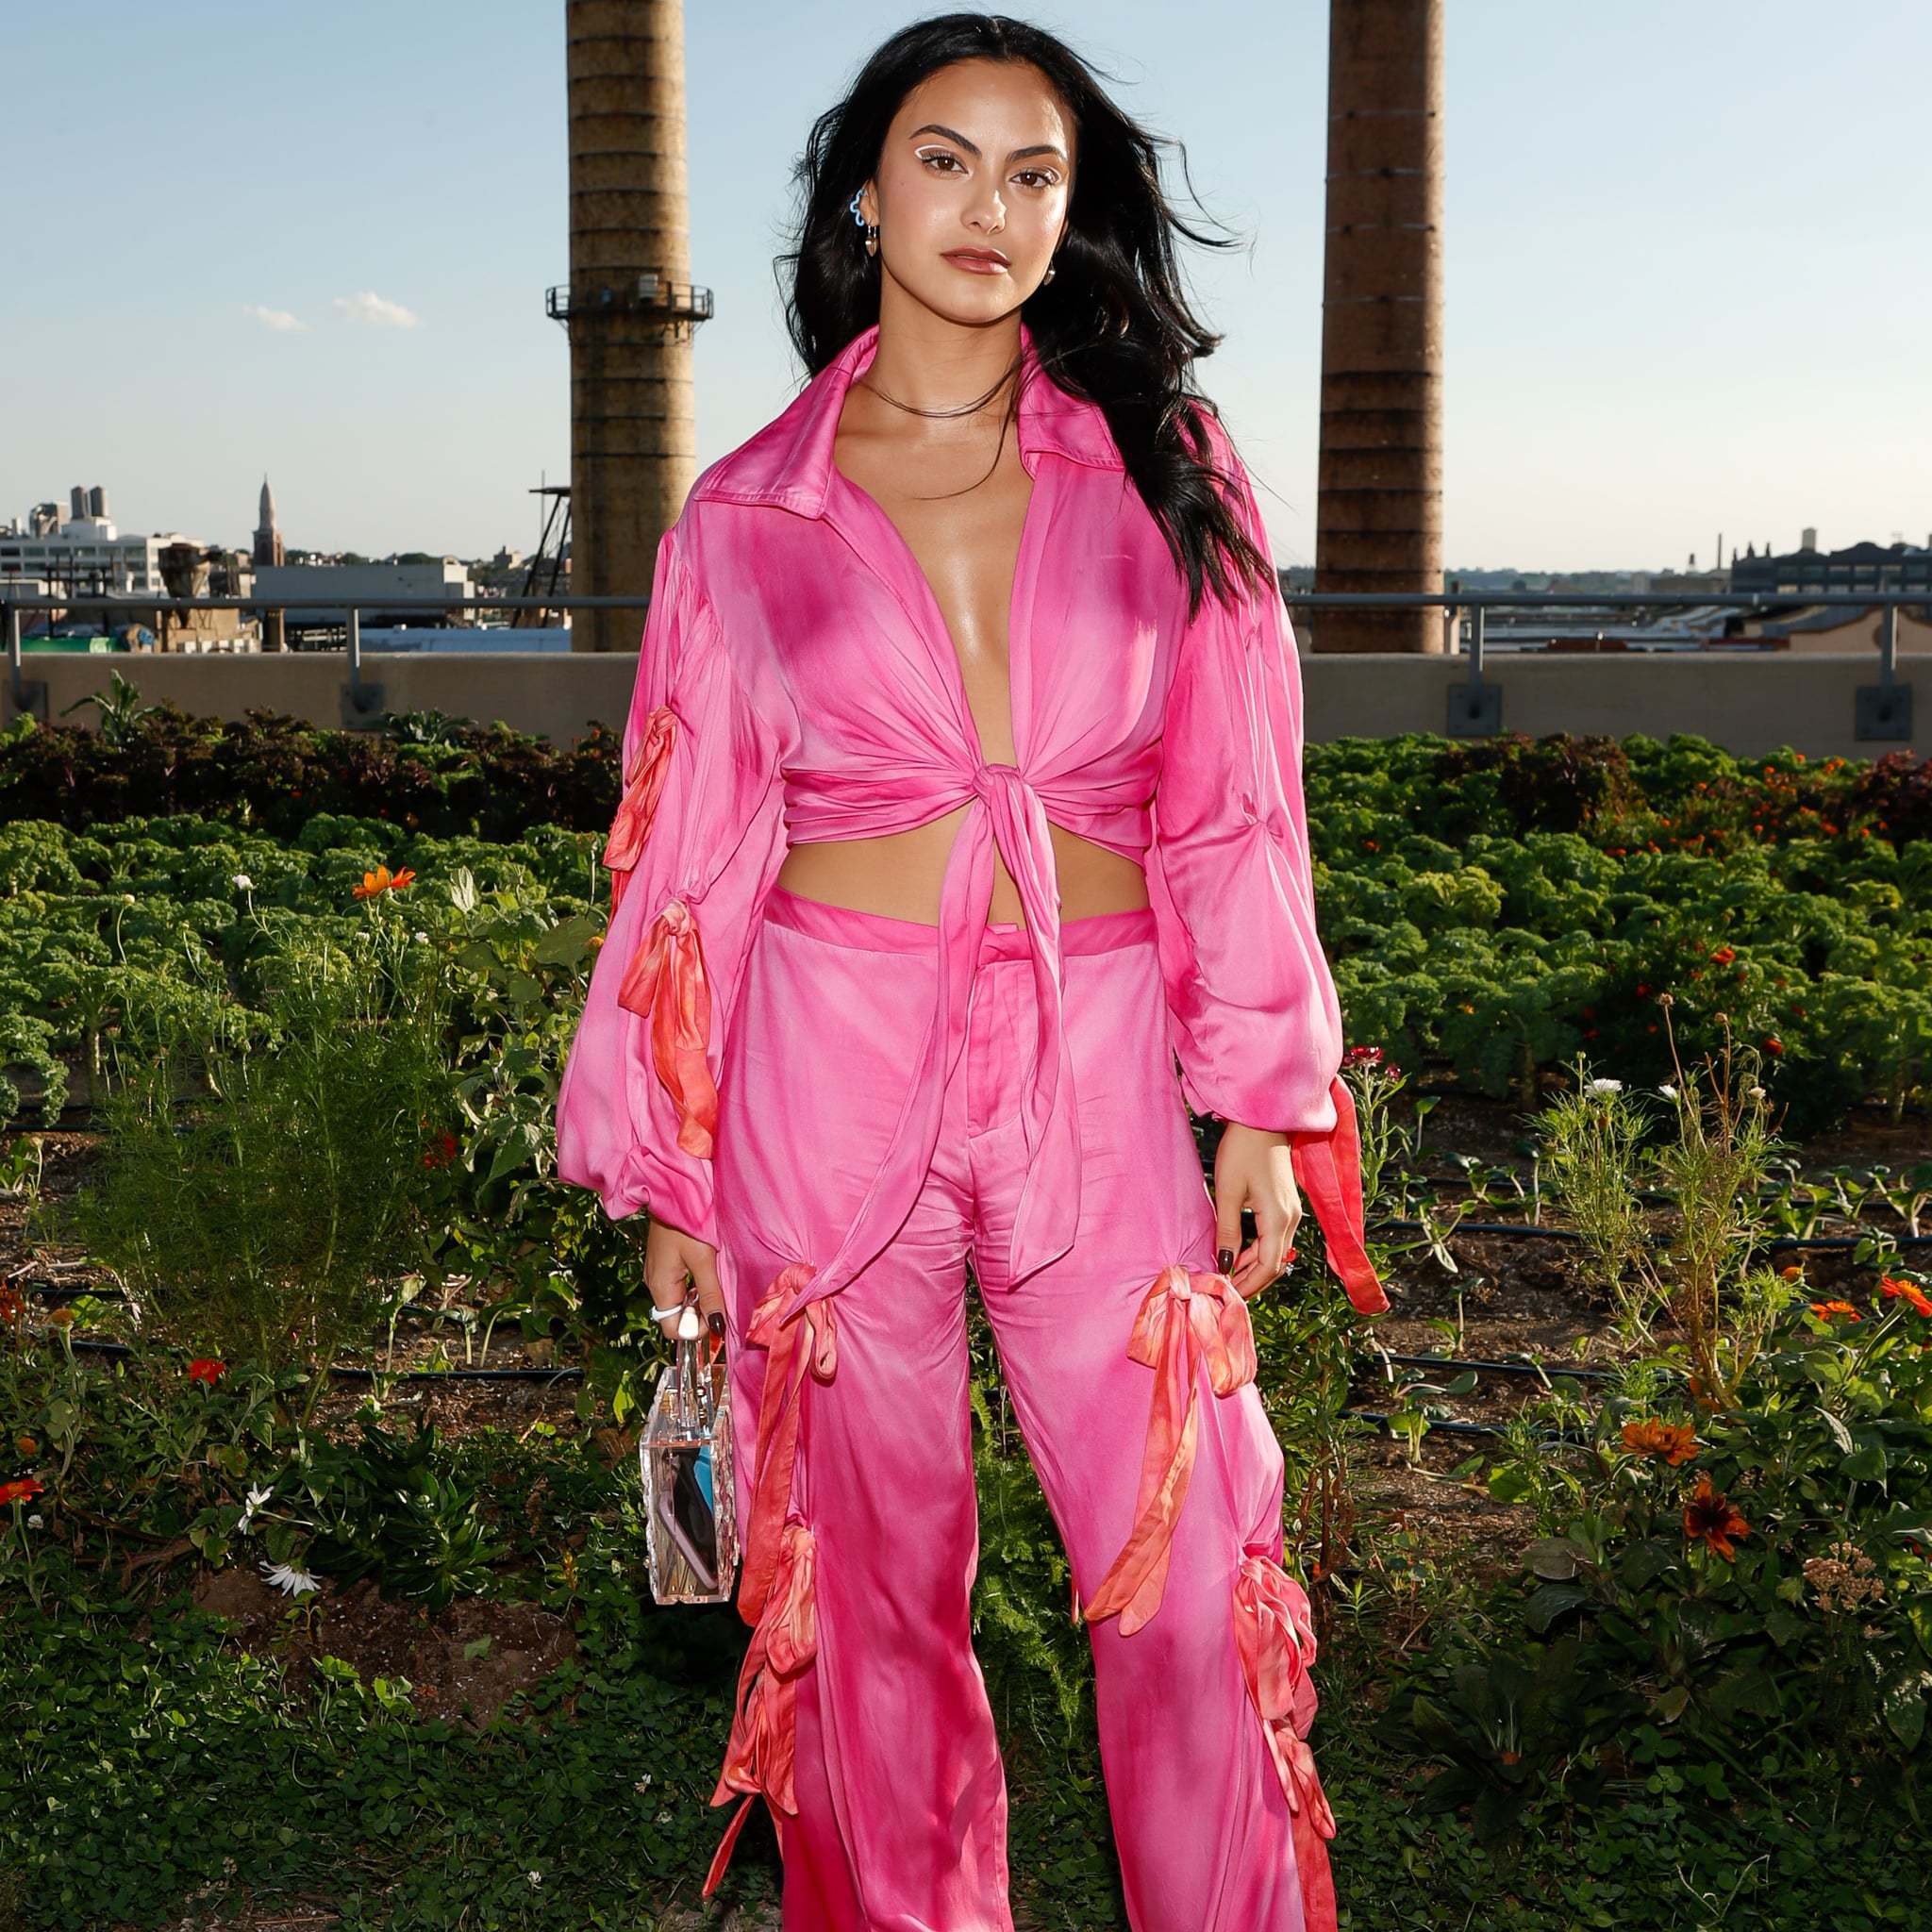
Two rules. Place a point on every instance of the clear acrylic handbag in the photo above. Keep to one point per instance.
(684, 1453)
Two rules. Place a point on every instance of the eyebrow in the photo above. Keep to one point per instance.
(1018, 154)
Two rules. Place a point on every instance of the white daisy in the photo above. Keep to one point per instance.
(287, 1579)
(1668, 1092)
(256, 1497)
(1606, 1086)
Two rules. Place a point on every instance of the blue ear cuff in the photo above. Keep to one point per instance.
(853, 205)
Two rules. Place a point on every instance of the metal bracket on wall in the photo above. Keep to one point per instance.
(362, 702)
(1476, 708)
(362, 706)
(1884, 710)
(30, 695)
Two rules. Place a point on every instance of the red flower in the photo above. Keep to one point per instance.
(1674, 1442)
(1643, 992)
(1709, 1519)
(12, 1302)
(442, 1152)
(1909, 1292)
(21, 1489)
(1835, 1311)
(1362, 1056)
(205, 1368)
(1724, 955)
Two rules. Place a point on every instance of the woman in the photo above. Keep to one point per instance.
(962, 797)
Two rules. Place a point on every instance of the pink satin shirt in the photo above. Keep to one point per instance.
(797, 682)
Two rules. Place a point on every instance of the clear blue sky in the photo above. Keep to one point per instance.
(1688, 271)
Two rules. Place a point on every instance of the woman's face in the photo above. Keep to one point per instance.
(971, 194)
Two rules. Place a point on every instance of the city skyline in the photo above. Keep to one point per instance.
(1683, 269)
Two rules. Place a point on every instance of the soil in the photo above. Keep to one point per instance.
(463, 1663)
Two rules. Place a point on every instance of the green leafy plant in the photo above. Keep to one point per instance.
(254, 1213)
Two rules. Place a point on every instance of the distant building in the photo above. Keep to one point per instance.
(318, 594)
(268, 536)
(84, 553)
(1862, 567)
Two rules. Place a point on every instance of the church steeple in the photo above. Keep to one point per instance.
(268, 538)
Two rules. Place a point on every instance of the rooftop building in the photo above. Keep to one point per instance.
(1862, 567)
(84, 553)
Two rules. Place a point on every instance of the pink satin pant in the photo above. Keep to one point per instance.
(901, 1800)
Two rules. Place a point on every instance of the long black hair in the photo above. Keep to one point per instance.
(1113, 328)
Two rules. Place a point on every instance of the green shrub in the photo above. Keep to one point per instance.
(262, 1177)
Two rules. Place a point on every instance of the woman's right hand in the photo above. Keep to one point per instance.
(671, 1258)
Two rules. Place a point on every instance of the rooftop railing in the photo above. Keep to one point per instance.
(1883, 711)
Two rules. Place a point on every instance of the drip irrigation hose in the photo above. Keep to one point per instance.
(1381, 1417)
(1443, 1361)
(348, 1372)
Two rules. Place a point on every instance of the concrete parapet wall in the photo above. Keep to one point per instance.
(1751, 703)
(1748, 702)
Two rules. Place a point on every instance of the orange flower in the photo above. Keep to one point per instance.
(1835, 1311)
(382, 880)
(1908, 1291)
(1774, 1045)
(12, 1303)
(1724, 955)
(1794, 1273)
(1674, 1442)
(21, 1489)
(1709, 1519)
(61, 1318)
(207, 1369)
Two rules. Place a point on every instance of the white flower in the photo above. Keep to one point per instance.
(421, 939)
(536, 1878)
(242, 882)
(1668, 1092)
(287, 1579)
(664, 1818)
(643, 1784)
(33, 1521)
(256, 1497)
(1756, 1093)
(1606, 1086)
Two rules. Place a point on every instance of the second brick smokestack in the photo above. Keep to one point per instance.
(1380, 518)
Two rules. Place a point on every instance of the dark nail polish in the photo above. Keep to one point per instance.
(716, 1320)
(1224, 1260)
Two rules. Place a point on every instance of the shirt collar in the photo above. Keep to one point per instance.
(789, 463)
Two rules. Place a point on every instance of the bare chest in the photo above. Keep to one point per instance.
(961, 519)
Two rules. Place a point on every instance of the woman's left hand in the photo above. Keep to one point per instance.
(1253, 1170)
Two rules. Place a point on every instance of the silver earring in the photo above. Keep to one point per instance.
(1048, 276)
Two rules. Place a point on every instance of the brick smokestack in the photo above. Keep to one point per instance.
(1380, 518)
(630, 307)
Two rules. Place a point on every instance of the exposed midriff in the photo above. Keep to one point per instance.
(899, 877)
